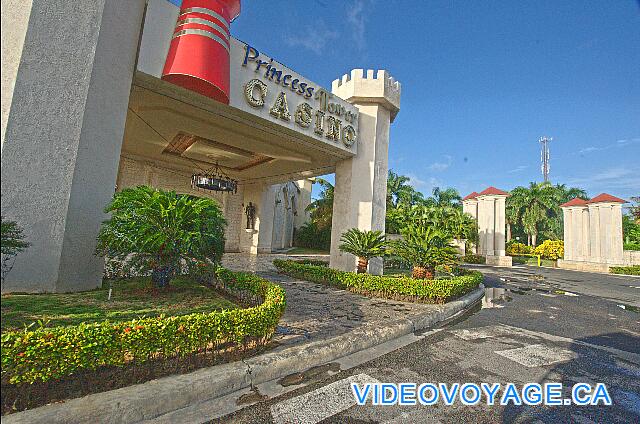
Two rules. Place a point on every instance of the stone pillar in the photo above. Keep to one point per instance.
(492, 226)
(585, 234)
(576, 230)
(610, 232)
(69, 70)
(594, 232)
(266, 214)
(568, 233)
(361, 182)
(499, 248)
(470, 206)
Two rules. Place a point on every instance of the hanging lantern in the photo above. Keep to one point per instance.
(214, 180)
(198, 57)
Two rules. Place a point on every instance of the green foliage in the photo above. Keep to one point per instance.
(631, 246)
(515, 248)
(12, 237)
(155, 230)
(363, 244)
(321, 209)
(448, 197)
(470, 258)
(12, 243)
(402, 288)
(447, 219)
(44, 354)
(534, 212)
(313, 237)
(425, 247)
(626, 270)
(630, 231)
(550, 249)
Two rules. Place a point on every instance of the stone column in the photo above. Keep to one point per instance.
(470, 206)
(576, 230)
(265, 217)
(69, 70)
(486, 224)
(568, 233)
(258, 239)
(361, 182)
(585, 233)
(617, 243)
(594, 232)
(499, 247)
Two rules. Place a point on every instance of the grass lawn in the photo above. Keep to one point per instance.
(306, 251)
(132, 298)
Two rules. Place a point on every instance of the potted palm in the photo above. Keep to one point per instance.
(425, 248)
(363, 244)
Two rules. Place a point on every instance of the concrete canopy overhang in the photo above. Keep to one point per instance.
(177, 128)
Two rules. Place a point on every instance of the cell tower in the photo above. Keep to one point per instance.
(544, 157)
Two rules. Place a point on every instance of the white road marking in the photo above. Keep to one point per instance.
(484, 332)
(537, 355)
(320, 404)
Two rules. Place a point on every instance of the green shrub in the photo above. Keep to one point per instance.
(44, 354)
(156, 231)
(627, 270)
(470, 258)
(401, 288)
(550, 249)
(364, 245)
(11, 244)
(313, 237)
(632, 246)
(516, 248)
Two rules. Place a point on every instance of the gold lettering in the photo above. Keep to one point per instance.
(280, 109)
(319, 127)
(333, 130)
(249, 89)
(348, 136)
(303, 115)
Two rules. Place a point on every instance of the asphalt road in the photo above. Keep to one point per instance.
(534, 326)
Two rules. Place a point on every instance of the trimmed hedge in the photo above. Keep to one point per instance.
(399, 288)
(48, 353)
(627, 270)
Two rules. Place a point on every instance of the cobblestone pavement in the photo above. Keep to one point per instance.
(315, 311)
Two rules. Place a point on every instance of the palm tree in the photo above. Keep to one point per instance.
(535, 205)
(363, 244)
(425, 248)
(321, 209)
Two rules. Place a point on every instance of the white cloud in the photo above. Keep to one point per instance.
(619, 177)
(425, 186)
(441, 166)
(314, 38)
(518, 168)
(617, 143)
(357, 18)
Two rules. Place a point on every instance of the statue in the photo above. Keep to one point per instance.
(250, 211)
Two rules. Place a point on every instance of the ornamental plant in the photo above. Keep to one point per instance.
(425, 248)
(550, 249)
(157, 232)
(516, 248)
(363, 244)
(12, 244)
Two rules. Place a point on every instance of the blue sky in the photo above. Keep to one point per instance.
(481, 82)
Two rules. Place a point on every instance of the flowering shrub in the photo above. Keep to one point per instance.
(44, 354)
(626, 270)
(403, 288)
(550, 249)
(514, 249)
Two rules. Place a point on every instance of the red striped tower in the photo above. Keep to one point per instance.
(198, 57)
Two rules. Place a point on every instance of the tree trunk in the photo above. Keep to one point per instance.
(161, 276)
(363, 263)
(534, 237)
(422, 273)
(528, 239)
(508, 233)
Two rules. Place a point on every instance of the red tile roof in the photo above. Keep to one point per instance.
(574, 202)
(472, 195)
(493, 191)
(606, 198)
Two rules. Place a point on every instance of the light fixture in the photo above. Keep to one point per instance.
(214, 179)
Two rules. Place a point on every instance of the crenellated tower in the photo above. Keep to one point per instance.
(361, 182)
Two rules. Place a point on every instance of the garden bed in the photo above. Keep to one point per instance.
(390, 287)
(44, 364)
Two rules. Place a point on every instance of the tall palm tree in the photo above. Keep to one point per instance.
(447, 197)
(321, 209)
(399, 190)
(363, 244)
(535, 205)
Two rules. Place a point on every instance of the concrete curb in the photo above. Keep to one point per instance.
(157, 397)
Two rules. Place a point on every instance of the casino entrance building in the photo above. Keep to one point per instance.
(100, 95)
